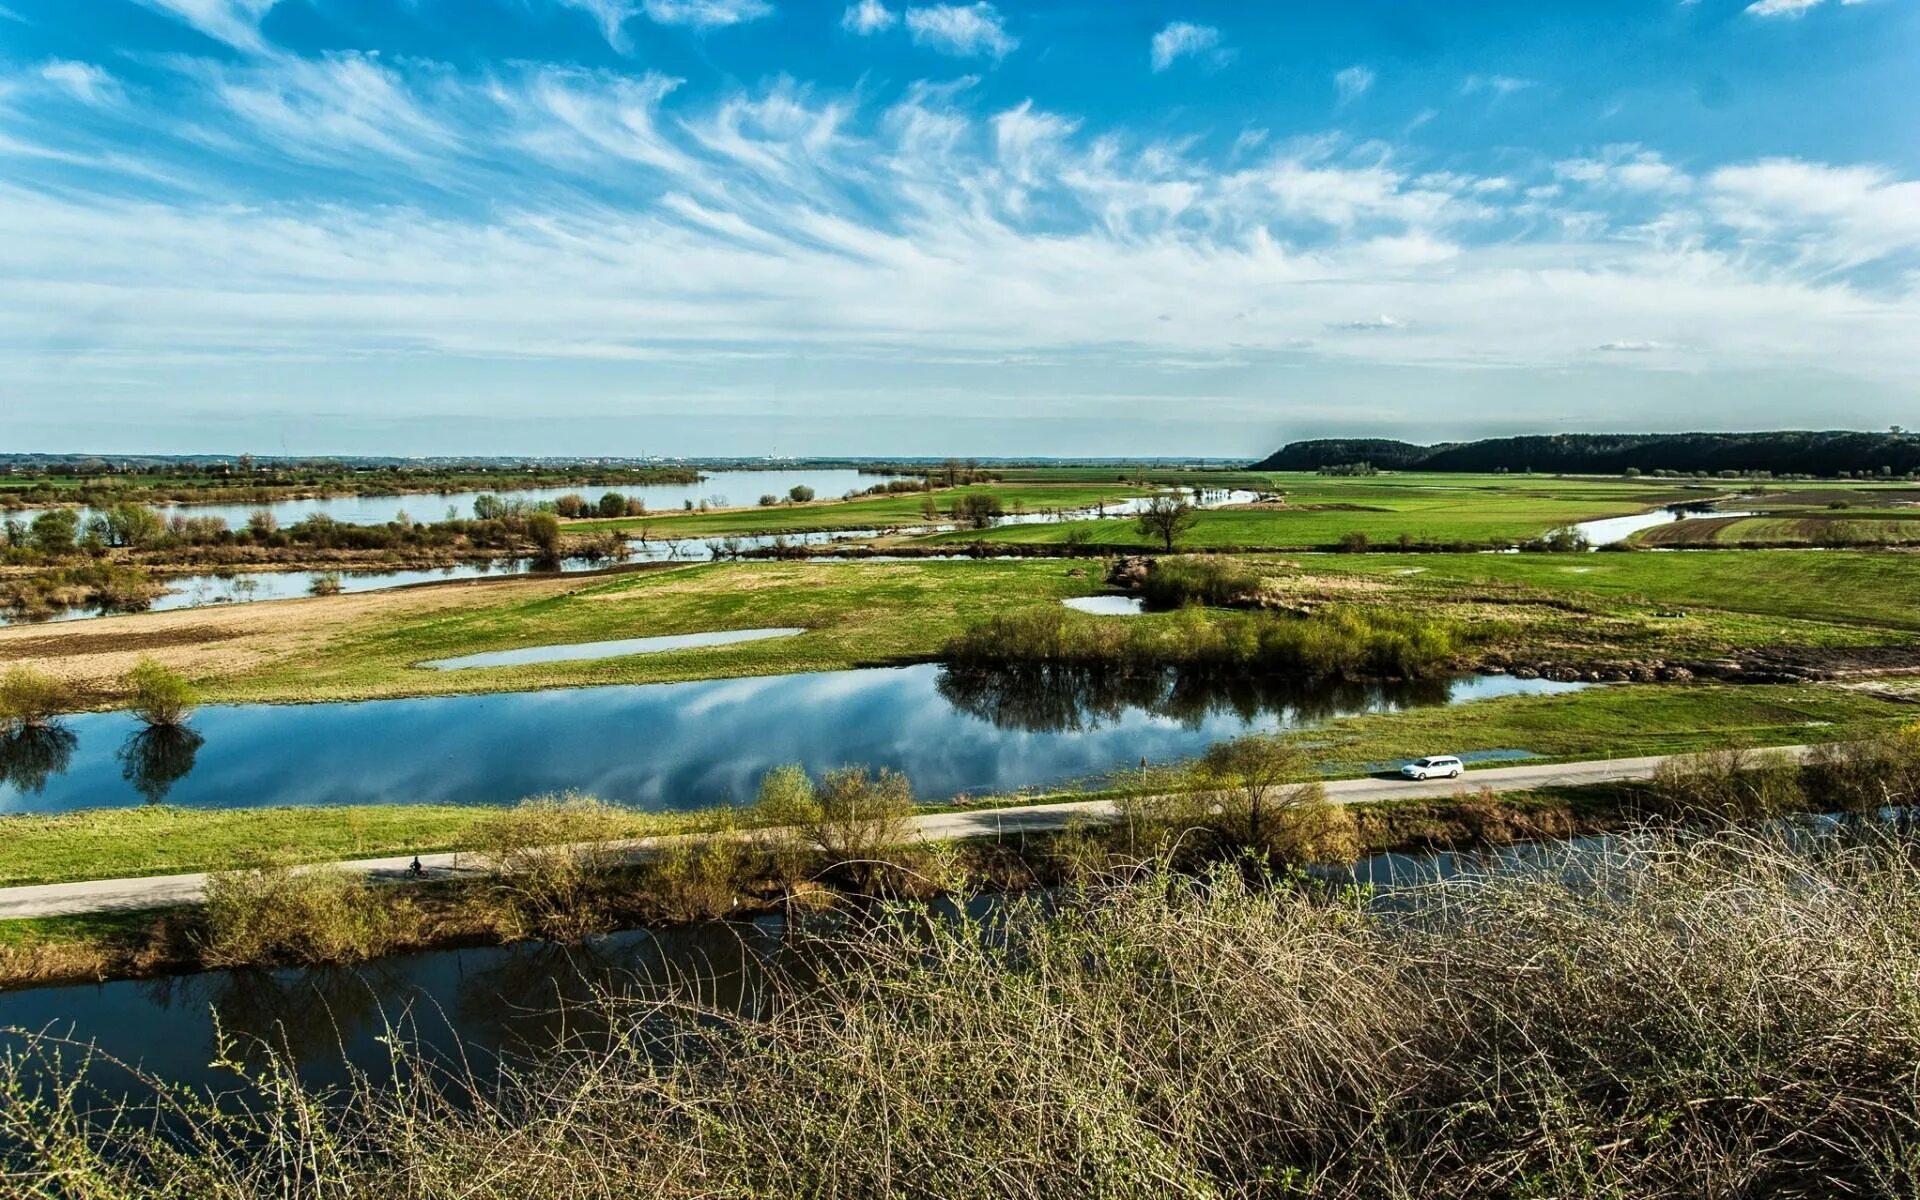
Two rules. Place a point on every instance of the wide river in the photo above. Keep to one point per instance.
(718, 488)
(680, 745)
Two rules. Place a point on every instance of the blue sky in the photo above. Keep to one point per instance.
(775, 226)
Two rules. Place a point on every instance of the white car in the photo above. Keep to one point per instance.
(1432, 766)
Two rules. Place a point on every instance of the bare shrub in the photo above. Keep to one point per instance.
(852, 816)
(1258, 793)
(1670, 1020)
(1880, 771)
(281, 914)
(551, 859)
(1729, 784)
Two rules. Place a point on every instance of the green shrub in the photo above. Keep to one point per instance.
(1259, 793)
(30, 699)
(1333, 642)
(1205, 579)
(280, 914)
(158, 695)
(551, 860)
(854, 817)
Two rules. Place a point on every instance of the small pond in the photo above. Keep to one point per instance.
(579, 651)
(1107, 606)
(685, 745)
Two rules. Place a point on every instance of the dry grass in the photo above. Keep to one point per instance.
(1726, 1017)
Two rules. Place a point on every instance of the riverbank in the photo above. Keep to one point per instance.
(676, 877)
(1627, 1020)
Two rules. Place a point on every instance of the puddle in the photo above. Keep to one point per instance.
(614, 649)
(1107, 606)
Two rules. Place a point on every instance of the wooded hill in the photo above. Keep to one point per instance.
(1781, 452)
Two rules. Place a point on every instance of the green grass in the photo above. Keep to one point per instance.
(115, 843)
(855, 614)
(1426, 508)
(1862, 589)
(1618, 721)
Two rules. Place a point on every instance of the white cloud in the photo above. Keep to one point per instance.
(964, 30)
(1496, 85)
(868, 16)
(1353, 82)
(1628, 168)
(235, 22)
(545, 213)
(1781, 8)
(1181, 38)
(705, 14)
(82, 81)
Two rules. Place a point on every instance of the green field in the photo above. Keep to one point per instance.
(855, 614)
(1853, 589)
(1317, 511)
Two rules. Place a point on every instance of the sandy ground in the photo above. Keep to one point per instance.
(93, 655)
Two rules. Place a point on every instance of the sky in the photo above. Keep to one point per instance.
(1198, 227)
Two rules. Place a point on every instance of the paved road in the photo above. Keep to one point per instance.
(154, 891)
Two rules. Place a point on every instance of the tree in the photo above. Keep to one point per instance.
(1167, 517)
(613, 504)
(30, 699)
(853, 815)
(156, 758)
(1258, 793)
(543, 530)
(160, 696)
(54, 531)
(128, 525)
(262, 523)
(799, 493)
(769, 500)
(977, 510)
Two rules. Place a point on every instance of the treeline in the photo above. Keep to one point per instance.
(1842, 453)
(98, 484)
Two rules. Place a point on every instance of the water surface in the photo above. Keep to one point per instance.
(686, 745)
(620, 648)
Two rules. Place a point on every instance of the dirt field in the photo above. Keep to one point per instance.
(93, 655)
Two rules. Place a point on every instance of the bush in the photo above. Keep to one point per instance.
(1332, 642)
(1669, 1021)
(852, 816)
(159, 696)
(800, 493)
(551, 859)
(1731, 784)
(30, 699)
(1206, 579)
(1355, 541)
(1863, 776)
(327, 583)
(1259, 793)
(281, 914)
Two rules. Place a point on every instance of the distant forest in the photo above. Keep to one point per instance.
(1783, 452)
